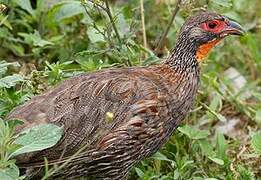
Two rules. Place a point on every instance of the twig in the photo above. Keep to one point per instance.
(112, 21)
(64, 162)
(174, 13)
(97, 4)
(56, 168)
(93, 22)
(143, 26)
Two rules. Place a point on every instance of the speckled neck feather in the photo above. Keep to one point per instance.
(183, 57)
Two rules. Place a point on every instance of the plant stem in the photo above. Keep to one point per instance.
(174, 13)
(93, 21)
(143, 26)
(108, 11)
(97, 4)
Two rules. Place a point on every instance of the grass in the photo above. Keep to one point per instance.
(44, 43)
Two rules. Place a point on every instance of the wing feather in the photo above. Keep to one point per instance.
(80, 105)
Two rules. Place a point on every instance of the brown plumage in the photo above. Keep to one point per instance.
(121, 116)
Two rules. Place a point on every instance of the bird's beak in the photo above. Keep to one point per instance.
(232, 28)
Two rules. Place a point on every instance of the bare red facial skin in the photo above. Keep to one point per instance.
(215, 26)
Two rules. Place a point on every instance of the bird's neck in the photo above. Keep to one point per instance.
(183, 57)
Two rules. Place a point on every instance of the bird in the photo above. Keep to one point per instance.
(114, 118)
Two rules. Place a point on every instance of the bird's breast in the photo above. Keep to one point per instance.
(182, 88)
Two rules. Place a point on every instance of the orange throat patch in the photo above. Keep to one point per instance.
(204, 49)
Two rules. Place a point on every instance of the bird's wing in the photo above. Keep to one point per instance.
(88, 107)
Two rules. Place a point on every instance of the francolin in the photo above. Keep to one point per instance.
(145, 105)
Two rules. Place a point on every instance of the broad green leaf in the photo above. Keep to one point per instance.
(187, 163)
(56, 38)
(193, 133)
(160, 156)
(90, 60)
(3, 130)
(252, 43)
(258, 116)
(35, 39)
(221, 117)
(139, 172)
(176, 174)
(206, 147)
(94, 35)
(4, 33)
(124, 28)
(9, 173)
(65, 10)
(38, 138)
(16, 48)
(256, 142)
(218, 115)
(4, 21)
(4, 65)
(217, 160)
(257, 95)
(216, 101)
(10, 81)
(225, 3)
(69, 10)
(198, 178)
(221, 146)
(26, 5)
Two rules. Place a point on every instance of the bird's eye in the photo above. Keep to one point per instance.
(212, 25)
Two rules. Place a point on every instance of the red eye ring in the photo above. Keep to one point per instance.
(212, 25)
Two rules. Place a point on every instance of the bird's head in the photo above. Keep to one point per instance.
(205, 29)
